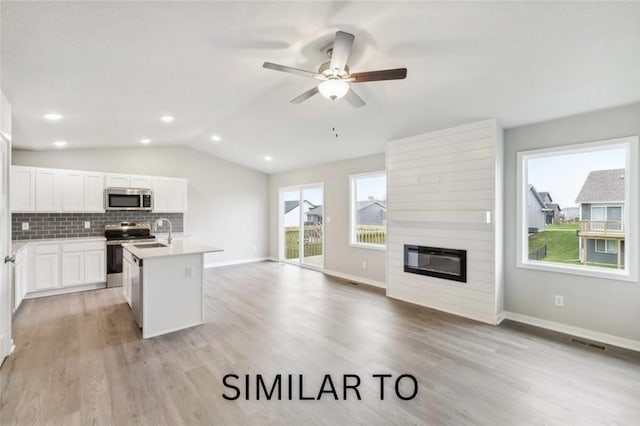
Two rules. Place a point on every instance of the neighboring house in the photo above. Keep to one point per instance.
(314, 216)
(372, 212)
(292, 211)
(536, 211)
(552, 212)
(570, 214)
(601, 210)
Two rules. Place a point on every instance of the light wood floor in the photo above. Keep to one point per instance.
(80, 361)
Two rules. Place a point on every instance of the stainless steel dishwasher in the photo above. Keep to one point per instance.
(136, 289)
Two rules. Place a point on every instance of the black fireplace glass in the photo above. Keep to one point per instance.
(449, 264)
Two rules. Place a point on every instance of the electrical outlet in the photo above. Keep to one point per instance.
(364, 264)
(87, 225)
(25, 226)
(559, 301)
(189, 273)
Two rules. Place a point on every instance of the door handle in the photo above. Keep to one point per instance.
(11, 259)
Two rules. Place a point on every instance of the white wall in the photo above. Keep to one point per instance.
(228, 204)
(339, 256)
(602, 305)
(440, 187)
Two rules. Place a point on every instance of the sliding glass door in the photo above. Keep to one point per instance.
(302, 225)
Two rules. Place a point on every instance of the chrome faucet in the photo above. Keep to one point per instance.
(159, 223)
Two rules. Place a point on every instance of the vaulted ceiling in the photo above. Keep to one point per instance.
(113, 68)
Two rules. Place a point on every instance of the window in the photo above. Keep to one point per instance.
(607, 246)
(576, 209)
(368, 226)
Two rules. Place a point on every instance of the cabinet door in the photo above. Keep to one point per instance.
(178, 203)
(161, 195)
(72, 184)
(94, 267)
(46, 271)
(23, 189)
(126, 280)
(117, 181)
(47, 191)
(140, 182)
(73, 268)
(93, 192)
(19, 286)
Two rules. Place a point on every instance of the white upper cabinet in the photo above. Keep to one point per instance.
(40, 190)
(93, 192)
(72, 183)
(23, 189)
(161, 195)
(118, 181)
(143, 182)
(178, 201)
(48, 194)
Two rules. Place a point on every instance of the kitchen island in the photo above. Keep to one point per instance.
(163, 284)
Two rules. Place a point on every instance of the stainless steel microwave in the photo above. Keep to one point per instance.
(128, 199)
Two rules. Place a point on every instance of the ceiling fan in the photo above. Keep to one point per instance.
(334, 75)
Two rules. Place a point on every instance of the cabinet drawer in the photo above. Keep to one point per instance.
(46, 248)
(94, 245)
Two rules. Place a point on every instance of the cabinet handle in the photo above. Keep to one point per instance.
(11, 259)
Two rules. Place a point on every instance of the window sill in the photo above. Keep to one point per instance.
(587, 271)
(369, 246)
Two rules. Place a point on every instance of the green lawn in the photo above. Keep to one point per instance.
(569, 225)
(561, 246)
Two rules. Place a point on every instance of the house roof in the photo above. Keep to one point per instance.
(292, 204)
(602, 186)
(544, 195)
(554, 206)
(365, 204)
(538, 197)
(318, 211)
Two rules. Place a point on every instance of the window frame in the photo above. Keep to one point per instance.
(352, 210)
(606, 246)
(629, 219)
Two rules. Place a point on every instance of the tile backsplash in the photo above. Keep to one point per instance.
(71, 225)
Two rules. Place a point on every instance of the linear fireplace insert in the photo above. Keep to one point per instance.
(449, 264)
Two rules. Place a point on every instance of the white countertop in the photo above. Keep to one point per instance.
(20, 244)
(177, 248)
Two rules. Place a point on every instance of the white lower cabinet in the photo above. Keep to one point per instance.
(72, 269)
(19, 279)
(64, 265)
(94, 266)
(126, 278)
(46, 269)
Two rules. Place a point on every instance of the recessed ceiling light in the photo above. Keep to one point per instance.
(53, 116)
(167, 118)
(267, 158)
(216, 138)
(145, 141)
(60, 144)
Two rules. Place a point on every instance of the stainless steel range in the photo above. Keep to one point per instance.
(121, 233)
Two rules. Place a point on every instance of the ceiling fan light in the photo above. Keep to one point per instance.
(333, 89)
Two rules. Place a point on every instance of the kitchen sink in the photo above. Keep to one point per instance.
(150, 245)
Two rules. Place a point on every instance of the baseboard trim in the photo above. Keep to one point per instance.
(356, 279)
(610, 339)
(63, 290)
(500, 317)
(235, 262)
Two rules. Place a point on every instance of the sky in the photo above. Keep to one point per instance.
(372, 187)
(563, 175)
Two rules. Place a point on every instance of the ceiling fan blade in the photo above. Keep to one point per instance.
(290, 70)
(341, 51)
(394, 74)
(355, 100)
(306, 95)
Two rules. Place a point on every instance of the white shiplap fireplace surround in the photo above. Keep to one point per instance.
(444, 189)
